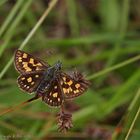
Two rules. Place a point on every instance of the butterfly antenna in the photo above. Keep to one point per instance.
(18, 106)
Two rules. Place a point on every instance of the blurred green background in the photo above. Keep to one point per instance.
(100, 38)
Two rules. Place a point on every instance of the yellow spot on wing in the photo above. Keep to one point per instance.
(70, 83)
(64, 78)
(25, 66)
(24, 55)
(76, 91)
(77, 85)
(31, 61)
(37, 68)
(70, 89)
(32, 83)
(58, 99)
(64, 90)
(24, 63)
(37, 76)
(29, 79)
(61, 82)
(39, 64)
(20, 59)
(23, 78)
(55, 95)
(28, 69)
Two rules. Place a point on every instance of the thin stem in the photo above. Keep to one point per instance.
(132, 125)
(11, 31)
(125, 119)
(62, 108)
(18, 106)
(51, 5)
(129, 61)
(40, 21)
(10, 16)
(122, 34)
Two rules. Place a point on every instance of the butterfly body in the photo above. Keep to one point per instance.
(49, 75)
(48, 82)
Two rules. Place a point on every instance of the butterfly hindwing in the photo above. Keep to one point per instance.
(25, 62)
(53, 96)
(30, 81)
(73, 86)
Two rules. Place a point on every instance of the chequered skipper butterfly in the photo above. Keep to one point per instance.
(48, 82)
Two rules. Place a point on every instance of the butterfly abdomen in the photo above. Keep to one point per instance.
(46, 82)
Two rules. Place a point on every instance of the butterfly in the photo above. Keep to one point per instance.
(46, 81)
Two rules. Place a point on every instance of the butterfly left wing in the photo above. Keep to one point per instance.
(53, 96)
(25, 62)
(73, 86)
(29, 82)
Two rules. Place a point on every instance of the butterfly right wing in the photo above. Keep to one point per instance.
(29, 82)
(53, 96)
(73, 86)
(25, 62)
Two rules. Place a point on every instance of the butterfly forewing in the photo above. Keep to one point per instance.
(25, 62)
(72, 87)
(30, 81)
(53, 96)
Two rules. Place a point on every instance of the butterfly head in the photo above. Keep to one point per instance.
(58, 66)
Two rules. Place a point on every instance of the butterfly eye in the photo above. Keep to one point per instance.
(58, 65)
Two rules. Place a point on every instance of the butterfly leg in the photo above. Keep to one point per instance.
(32, 99)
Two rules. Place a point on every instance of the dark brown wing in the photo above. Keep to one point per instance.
(25, 62)
(29, 82)
(53, 96)
(73, 86)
